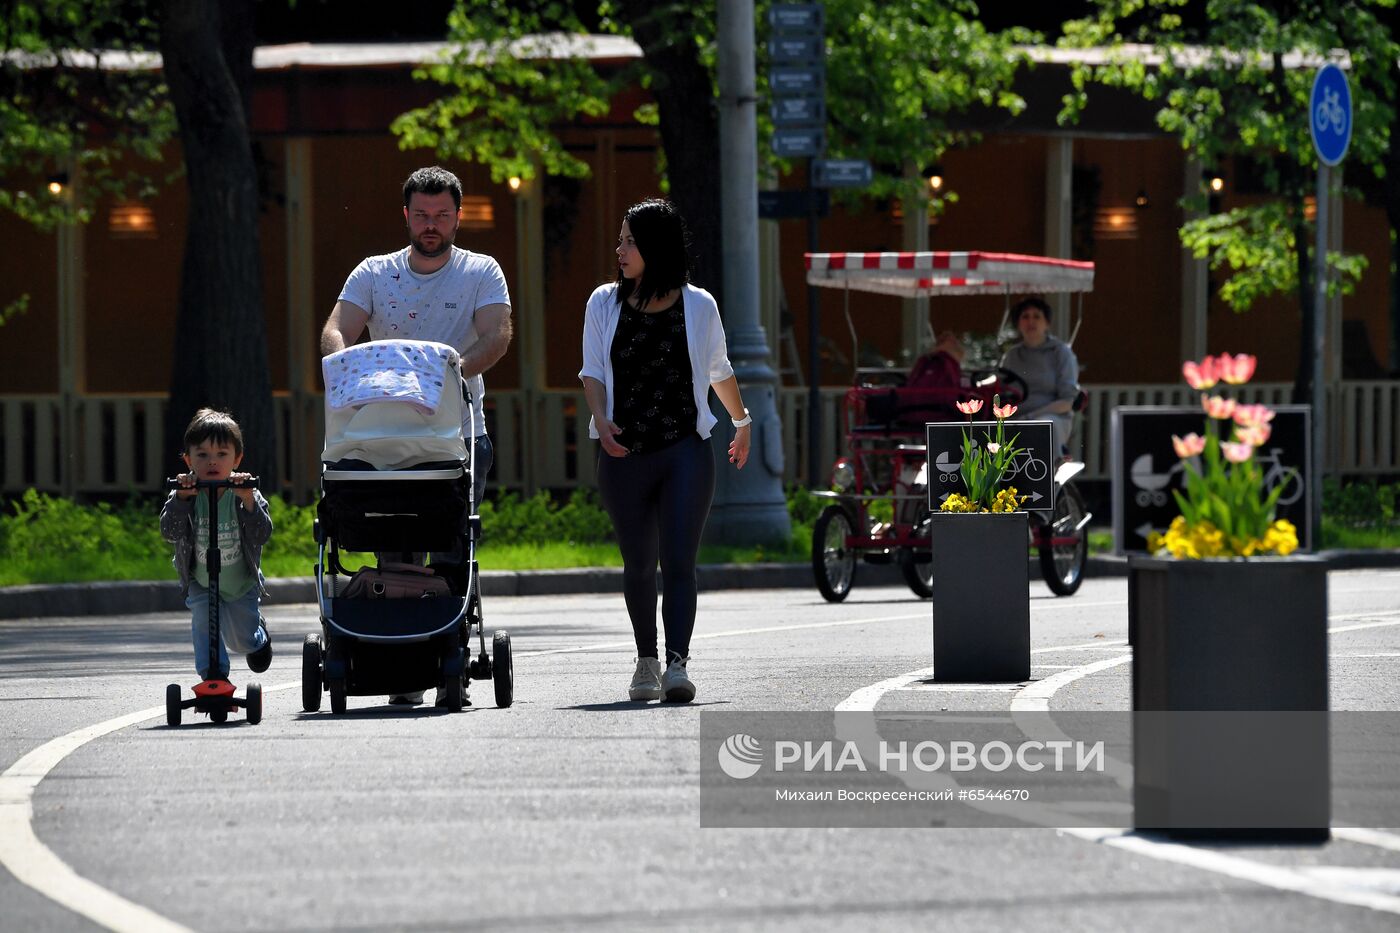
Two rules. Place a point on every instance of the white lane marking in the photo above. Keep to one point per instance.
(1337, 889)
(960, 688)
(1035, 697)
(1368, 837)
(731, 632)
(1283, 879)
(1354, 657)
(35, 865)
(1357, 628)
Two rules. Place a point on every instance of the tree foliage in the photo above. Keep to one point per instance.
(77, 100)
(897, 76)
(79, 93)
(1233, 81)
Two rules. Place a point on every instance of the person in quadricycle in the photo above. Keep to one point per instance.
(213, 451)
(1049, 368)
(653, 348)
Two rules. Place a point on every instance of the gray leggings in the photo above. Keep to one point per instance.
(658, 503)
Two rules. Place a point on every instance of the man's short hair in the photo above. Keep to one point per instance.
(432, 180)
(1034, 301)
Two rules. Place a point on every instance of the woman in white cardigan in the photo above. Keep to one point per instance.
(653, 347)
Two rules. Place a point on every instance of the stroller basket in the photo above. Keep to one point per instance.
(367, 510)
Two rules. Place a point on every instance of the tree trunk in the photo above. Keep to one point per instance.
(220, 332)
(685, 98)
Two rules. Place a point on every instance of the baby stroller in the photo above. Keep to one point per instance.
(396, 480)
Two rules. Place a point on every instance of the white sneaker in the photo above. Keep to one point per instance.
(675, 683)
(406, 699)
(646, 680)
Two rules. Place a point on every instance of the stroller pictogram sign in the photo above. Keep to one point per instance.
(1032, 470)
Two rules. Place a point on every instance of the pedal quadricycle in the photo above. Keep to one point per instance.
(879, 509)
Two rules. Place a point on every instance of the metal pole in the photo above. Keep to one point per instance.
(1319, 392)
(749, 505)
(814, 328)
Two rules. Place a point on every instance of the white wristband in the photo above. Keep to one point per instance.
(740, 422)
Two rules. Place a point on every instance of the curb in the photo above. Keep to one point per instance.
(139, 597)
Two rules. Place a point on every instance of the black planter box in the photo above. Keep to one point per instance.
(1230, 697)
(981, 598)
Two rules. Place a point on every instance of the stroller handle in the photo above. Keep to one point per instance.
(249, 483)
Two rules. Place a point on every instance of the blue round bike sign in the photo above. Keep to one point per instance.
(1329, 114)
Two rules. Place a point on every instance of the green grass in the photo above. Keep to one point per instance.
(45, 539)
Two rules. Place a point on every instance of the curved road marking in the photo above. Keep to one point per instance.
(35, 865)
(38, 867)
(1035, 698)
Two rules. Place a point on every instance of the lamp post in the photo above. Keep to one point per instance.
(749, 506)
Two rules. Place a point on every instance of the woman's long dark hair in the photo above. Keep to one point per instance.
(660, 235)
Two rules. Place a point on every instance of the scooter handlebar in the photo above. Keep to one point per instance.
(249, 483)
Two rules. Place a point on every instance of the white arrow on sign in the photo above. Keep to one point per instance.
(1143, 530)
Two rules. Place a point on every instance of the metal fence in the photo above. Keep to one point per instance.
(106, 444)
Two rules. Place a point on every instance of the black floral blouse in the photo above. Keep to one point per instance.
(655, 402)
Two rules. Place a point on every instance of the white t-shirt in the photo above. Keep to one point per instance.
(440, 306)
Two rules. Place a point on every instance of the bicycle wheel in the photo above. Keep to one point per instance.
(1062, 565)
(833, 563)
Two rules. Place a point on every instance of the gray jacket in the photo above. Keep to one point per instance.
(177, 527)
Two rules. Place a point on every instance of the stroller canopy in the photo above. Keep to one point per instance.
(394, 404)
(917, 275)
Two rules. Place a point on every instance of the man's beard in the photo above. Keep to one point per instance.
(444, 244)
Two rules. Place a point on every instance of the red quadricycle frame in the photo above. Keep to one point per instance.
(879, 509)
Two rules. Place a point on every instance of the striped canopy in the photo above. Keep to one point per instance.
(915, 275)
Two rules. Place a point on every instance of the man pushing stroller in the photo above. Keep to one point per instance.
(431, 290)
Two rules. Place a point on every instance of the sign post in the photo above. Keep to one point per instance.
(797, 78)
(1329, 123)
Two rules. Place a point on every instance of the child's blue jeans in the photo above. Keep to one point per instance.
(240, 624)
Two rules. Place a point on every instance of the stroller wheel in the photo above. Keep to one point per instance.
(311, 673)
(172, 705)
(502, 670)
(455, 694)
(337, 689)
(254, 704)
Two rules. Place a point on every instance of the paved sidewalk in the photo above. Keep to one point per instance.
(131, 597)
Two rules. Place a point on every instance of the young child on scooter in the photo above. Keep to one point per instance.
(213, 451)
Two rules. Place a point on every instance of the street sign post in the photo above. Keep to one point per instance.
(798, 142)
(799, 111)
(787, 205)
(841, 173)
(1329, 123)
(1329, 111)
(1032, 471)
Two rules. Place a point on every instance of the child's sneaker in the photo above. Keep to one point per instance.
(406, 699)
(260, 659)
(646, 680)
(675, 683)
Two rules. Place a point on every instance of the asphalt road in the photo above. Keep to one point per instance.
(576, 809)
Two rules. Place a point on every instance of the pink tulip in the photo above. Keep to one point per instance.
(1003, 411)
(1189, 446)
(1249, 415)
(1217, 407)
(1201, 376)
(993, 447)
(1237, 369)
(970, 407)
(1236, 453)
(1254, 435)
